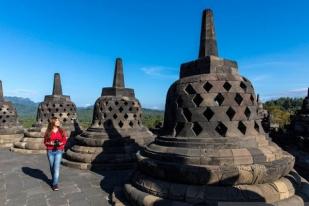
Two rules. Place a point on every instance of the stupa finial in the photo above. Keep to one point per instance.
(1, 91)
(208, 42)
(57, 89)
(118, 75)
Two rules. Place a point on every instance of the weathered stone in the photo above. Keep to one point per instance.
(212, 147)
(55, 105)
(116, 131)
(10, 128)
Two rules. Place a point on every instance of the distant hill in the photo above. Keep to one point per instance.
(27, 109)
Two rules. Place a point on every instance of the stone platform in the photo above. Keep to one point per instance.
(24, 180)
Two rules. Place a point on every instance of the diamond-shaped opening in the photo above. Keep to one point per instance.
(59, 114)
(104, 115)
(245, 79)
(134, 116)
(252, 98)
(197, 100)
(208, 113)
(68, 114)
(227, 86)
(126, 116)
(238, 98)
(115, 116)
(131, 124)
(120, 109)
(247, 112)
(179, 101)
(221, 129)
(120, 124)
(207, 86)
(125, 103)
(109, 123)
(243, 86)
(230, 113)
(256, 127)
(219, 99)
(116, 103)
(189, 89)
(197, 129)
(187, 114)
(110, 108)
(179, 127)
(64, 119)
(242, 127)
(130, 109)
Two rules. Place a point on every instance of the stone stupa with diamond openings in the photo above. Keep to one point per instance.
(213, 148)
(264, 115)
(10, 128)
(55, 105)
(116, 131)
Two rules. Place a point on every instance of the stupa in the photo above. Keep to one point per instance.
(116, 131)
(213, 148)
(55, 105)
(300, 121)
(10, 128)
(264, 115)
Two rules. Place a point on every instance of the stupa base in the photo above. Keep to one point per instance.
(147, 191)
(96, 167)
(7, 140)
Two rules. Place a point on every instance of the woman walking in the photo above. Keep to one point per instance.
(55, 139)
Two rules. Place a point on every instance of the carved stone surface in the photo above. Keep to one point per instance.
(10, 128)
(213, 147)
(116, 131)
(55, 105)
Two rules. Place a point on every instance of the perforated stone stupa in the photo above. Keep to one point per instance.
(55, 105)
(116, 131)
(10, 128)
(213, 147)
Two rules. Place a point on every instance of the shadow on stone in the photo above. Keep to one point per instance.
(36, 173)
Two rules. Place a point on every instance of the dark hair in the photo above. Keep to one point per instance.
(50, 126)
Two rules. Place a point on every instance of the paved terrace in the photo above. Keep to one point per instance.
(24, 180)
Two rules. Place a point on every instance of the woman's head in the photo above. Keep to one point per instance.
(53, 122)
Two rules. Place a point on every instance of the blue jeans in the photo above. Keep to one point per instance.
(54, 158)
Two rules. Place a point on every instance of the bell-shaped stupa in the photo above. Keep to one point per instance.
(55, 105)
(213, 148)
(116, 131)
(10, 128)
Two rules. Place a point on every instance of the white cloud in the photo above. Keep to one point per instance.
(260, 78)
(160, 71)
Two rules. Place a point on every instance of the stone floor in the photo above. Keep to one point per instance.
(24, 180)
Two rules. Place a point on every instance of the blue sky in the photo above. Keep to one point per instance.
(81, 39)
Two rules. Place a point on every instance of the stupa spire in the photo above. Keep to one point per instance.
(118, 75)
(57, 89)
(1, 91)
(208, 42)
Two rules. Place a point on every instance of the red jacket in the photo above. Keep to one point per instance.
(59, 135)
